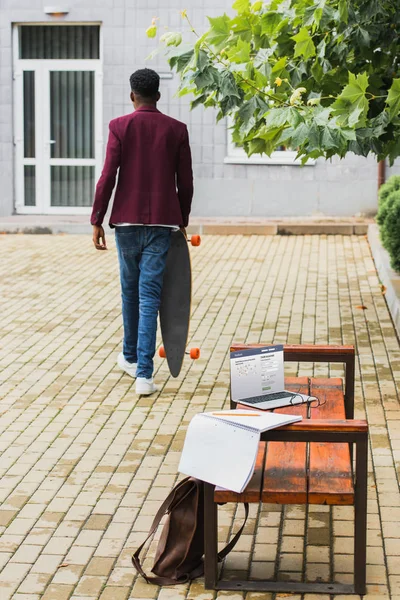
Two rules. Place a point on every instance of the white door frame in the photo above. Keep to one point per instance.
(42, 160)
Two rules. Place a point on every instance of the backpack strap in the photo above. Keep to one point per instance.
(230, 546)
(198, 571)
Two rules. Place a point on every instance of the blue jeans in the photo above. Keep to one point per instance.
(142, 253)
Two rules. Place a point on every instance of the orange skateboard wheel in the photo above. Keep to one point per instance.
(194, 353)
(195, 240)
(161, 352)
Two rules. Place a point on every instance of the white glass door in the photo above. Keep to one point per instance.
(58, 134)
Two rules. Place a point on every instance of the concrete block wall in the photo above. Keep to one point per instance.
(338, 188)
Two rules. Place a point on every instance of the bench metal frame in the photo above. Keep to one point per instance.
(334, 431)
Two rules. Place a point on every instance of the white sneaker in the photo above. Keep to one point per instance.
(126, 366)
(145, 387)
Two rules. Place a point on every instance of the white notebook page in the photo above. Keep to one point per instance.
(219, 452)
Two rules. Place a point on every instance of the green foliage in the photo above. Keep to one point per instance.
(388, 219)
(385, 191)
(320, 76)
(390, 229)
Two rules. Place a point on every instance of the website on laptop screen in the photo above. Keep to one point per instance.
(256, 371)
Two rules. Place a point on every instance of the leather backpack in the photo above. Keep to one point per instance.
(179, 554)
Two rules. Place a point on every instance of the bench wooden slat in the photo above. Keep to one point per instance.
(285, 477)
(252, 493)
(330, 476)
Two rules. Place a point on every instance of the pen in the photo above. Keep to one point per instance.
(235, 415)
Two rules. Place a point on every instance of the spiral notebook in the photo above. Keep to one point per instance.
(221, 446)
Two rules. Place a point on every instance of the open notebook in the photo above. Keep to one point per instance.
(221, 446)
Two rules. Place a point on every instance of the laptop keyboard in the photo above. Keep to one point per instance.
(275, 396)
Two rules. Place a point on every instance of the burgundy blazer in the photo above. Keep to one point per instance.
(155, 181)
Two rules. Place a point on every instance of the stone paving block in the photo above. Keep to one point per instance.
(90, 586)
(26, 554)
(97, 522)
(115, 593)
(34, 583)
(47, 563)
(58, 591)
(100, 566)
(68, 574)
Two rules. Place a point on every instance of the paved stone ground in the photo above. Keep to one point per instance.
(85, 464)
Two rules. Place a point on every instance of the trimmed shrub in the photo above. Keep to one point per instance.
(392, 185)
(390, 229)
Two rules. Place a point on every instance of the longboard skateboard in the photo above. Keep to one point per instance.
(175, 304)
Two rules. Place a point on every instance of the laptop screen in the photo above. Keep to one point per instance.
(256, 372)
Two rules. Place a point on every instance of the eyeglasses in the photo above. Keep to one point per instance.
(313, 402)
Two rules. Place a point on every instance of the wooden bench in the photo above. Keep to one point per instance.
(309, 462)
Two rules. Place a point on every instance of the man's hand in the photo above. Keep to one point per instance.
(99, 239)
(183, 229)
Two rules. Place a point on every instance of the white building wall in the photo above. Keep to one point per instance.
(346, 187)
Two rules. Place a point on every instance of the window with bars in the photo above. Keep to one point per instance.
(59, 42)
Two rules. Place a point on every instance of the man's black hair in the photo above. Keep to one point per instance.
(145, 83)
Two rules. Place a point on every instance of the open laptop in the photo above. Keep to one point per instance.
(257, 379)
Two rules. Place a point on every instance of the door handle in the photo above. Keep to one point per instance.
(52, 141)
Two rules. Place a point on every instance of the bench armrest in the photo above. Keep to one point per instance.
(319, 430)
(332, 425)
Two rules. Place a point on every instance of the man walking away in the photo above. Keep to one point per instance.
(153, 197)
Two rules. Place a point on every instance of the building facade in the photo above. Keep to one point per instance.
(64, 74)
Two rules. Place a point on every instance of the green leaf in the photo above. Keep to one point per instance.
(299, 135)
(304, 44)
(246, 111)
(321, 115)
(317, 71)
(151, 31)
(256, 146)
(276, 117)
(241, 26)
(321, 49)
(362, 36)
(393, 99)
(294, 117)
(241, 6)
(199, 100)
(257, 6)
(351, 106)
(308, 18)
(247, 127)
(205, 78)
(228, 86)
(314, 137)
(228, 104)
(379, 124)
(239, 53)
(202, 60)
(261, 62)
(271, 23)
(279, 66)
(348, 134)
(328, 15)
(220, 31)
(343, 11)
(313, 14)
(180, 61)
(330, 138)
